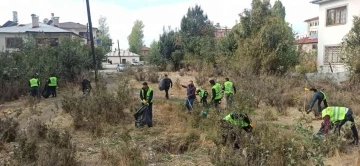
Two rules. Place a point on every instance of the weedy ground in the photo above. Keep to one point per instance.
(99, 130)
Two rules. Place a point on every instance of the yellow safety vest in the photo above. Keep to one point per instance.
(217, 88)
(335, 113)
(239, 122)
(323, 94)
(34, 82)
(53, 81)
(229, 89)
(147, 97)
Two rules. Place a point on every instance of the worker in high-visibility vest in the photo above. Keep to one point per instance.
(229, 91)
(52, 84)
(231, 121)
(319, 96)
(203, 96)
(216, 93)
(146, 96)
(34, 86)
(339, 116)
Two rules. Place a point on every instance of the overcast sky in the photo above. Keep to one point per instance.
(155, 14)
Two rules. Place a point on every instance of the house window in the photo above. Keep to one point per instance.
(47, 41)
(336, 16)
(332, 54)
(14, 42)
(314, 46)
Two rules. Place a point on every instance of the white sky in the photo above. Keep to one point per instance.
(121, 17)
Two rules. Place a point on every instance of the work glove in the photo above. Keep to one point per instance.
(144, 101)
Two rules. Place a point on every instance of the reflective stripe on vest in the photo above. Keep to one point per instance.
(53, 81)
(323, 94)
(34, 82)
(239, 122)
(147, 97)
(217, 88)
(229, 89)
(335, 113)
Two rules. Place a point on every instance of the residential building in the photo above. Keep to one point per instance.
(335, 18)
(145, 50)
(220, 31)
(312, 27)
(308, 42)
(12, 37)
(79, 29)
(122, 56)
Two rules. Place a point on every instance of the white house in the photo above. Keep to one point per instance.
(122, 56)
(335, 18)
(309, 42)
(12, 37)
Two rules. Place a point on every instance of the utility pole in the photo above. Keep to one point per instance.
(119, 52)
(91, 39)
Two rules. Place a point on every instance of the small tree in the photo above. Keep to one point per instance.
(351, 49)
(136, 37)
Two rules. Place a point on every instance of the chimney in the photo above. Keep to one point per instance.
(56, 21)
(218, 25)
(35, 21)
(15, 17)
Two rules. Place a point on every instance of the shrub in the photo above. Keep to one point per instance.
(140, 74)
(102, 107)
(40, 145)
(8, 129)
(152, 76)
(200, 79)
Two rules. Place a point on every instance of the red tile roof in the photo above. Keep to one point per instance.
(306, 40)
(312, 19)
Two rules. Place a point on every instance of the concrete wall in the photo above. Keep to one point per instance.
(333, 35)
(3, 36)
(307, 47)
(336, 78)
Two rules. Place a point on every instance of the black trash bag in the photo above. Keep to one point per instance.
(142, 117)
(46, 92)
(162, 84)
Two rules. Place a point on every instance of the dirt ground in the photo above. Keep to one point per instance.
(89, 151)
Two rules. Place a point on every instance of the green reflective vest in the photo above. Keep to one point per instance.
(335, 113)
(217, 88)
(53, 81)
(201, 93)
(229, 89)
(34, 82)
(238, 122)
(147, 97)
(323, 94)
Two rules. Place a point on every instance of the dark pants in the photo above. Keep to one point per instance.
(228, 134)
(34, 91)
(167, 92)
(203, 100)
(217, 102)
(189, 103)
(52, 90)
(348, 117)
(319, 105)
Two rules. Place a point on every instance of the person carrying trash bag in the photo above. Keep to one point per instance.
(191, 95)
(339, 116)
(320, 97)
(146, 96)
(233, 121)
(203, 94)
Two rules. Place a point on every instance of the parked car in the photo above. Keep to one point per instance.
(136, 64)
(121, 67)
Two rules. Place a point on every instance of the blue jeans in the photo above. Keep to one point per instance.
(189, 103)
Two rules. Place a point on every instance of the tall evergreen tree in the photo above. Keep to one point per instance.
(136, 37)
